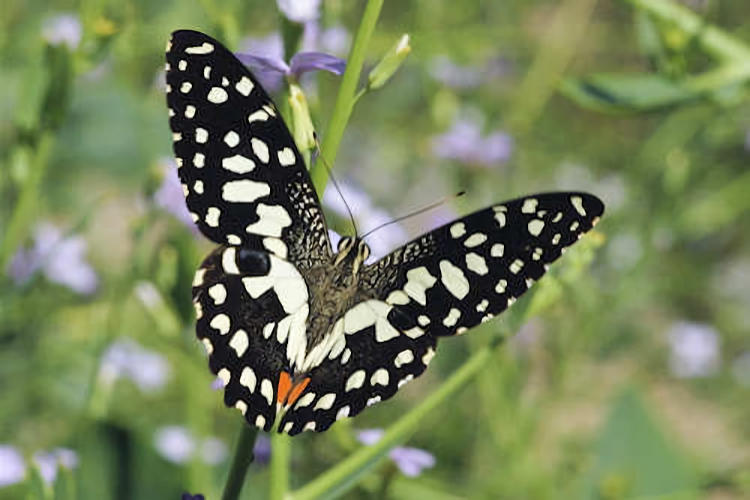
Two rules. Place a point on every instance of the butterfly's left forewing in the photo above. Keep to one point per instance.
(244, 180)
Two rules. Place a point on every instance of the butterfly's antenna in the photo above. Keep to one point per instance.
(416, 212)
(335, 184)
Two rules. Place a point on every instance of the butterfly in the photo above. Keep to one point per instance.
(302, 335)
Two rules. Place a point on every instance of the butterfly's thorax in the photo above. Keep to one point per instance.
(333, 289)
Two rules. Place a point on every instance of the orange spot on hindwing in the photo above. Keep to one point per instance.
(288, 392)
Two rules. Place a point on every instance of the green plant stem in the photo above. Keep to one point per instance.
(281, 454)
(725, 75)
(346, 96)
(243, 457)
(550, 62)
(28, 198)
(710, 38)
(341, 477)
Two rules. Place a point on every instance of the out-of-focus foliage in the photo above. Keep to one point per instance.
(629, 375)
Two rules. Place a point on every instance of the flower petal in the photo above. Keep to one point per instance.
(303, 62)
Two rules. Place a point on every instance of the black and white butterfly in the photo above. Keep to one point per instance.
(300, 332)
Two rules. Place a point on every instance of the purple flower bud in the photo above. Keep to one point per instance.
(197, 496)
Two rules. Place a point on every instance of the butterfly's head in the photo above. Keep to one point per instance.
(351, 252)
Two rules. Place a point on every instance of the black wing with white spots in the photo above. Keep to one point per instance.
(244, 180)
(297, 334)
(442, 283)
(472, 269)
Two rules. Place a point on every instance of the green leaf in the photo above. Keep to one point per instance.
(635, 459)
(623, 92)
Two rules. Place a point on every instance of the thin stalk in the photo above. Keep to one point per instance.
(338, 479)
(550, 62)
(23, 213)
(346, 96)
(243, 457)
(281, 452)
(710, 38)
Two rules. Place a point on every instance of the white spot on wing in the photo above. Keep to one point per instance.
(244, 86)
(238, 164)
(475, 240)
(380, 377)
(355, 380)
(419, 280)
(272, 220)
(452, 318)
(529, 205)
(476, 263)
(453, 279)
(205, 48)
(403, 358)
(239, 342)
(221, 322)
(244, 191)
(458, 229)
(535, 226)
(212, 216)
(286, 157)
(217, 95)
(201, 135)
(229, 261)
(232, 138)
(577, 203)
(260, 149)
(266, 389)
(258, 116)
(325, 402)
(218, 292)
(247, 378)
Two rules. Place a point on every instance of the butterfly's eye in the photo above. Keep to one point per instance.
(253, 262)
(363, 250)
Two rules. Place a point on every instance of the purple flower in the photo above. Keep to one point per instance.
(60, 258)
(299, 11)
(694, 349)
(174, 443)
(464, 142)
(48, 462)
(456, 76)
(188, 496)
(177, 445)
(410, 461)
(63, 29)
(262, 449)
(128, 359)
(12, 465)
(301, 62)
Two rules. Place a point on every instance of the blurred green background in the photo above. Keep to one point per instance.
(629, 376)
